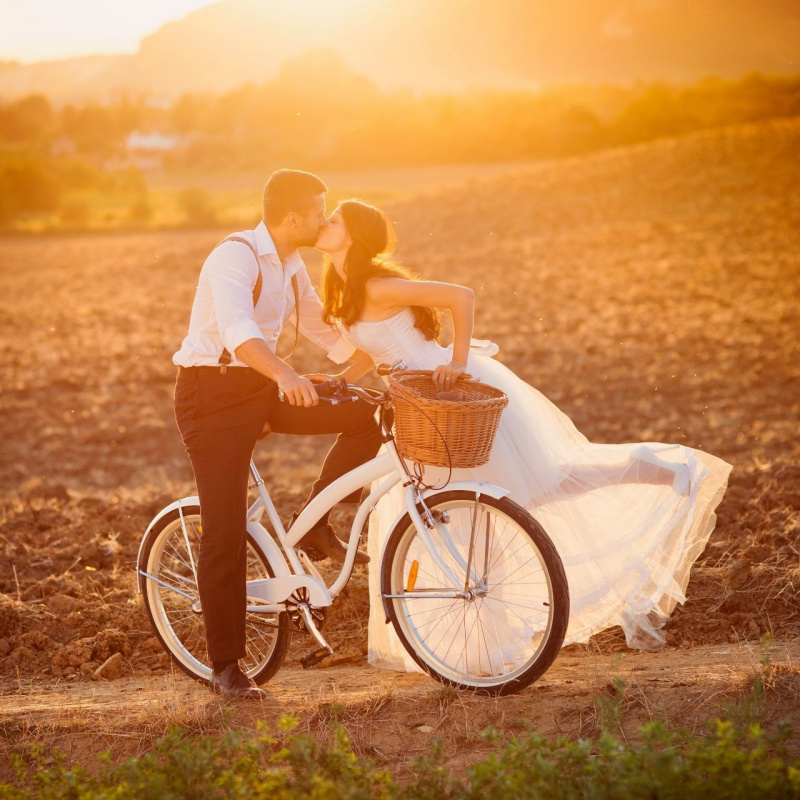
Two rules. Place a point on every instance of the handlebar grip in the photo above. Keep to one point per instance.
(387, 369)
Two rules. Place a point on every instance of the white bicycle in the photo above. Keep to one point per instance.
(470, 581)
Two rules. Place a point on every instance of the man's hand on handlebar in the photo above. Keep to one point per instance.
(336, 390)
(297, 390)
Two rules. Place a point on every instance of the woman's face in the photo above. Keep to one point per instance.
(333, 237)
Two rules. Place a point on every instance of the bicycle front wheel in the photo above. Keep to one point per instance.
(168, 581)
(501, 626)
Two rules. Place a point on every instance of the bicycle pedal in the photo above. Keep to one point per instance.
(312, 659)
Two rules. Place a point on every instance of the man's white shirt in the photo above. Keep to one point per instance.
(223, 316)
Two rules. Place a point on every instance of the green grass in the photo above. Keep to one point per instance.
(234, 199)
(732, 761)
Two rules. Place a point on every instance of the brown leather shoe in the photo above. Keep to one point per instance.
(322, 542)
(232, 682)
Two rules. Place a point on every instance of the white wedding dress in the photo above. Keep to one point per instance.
(628, 520)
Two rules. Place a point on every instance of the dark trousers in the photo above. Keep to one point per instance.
(220, 416)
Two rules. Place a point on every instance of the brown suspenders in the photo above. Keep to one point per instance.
(225, 356)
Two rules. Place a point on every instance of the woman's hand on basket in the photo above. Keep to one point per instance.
(446, 375)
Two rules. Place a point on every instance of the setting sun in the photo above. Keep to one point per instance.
(49, 29)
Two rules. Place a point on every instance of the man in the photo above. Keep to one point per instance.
(227, 393)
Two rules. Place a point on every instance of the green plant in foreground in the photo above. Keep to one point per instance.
(666, 765)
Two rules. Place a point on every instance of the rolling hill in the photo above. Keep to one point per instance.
(437, 45)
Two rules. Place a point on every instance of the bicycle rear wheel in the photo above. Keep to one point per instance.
(172, 601)
(496, 632)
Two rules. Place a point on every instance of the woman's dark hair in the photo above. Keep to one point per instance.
(290, 190)
(370, 256)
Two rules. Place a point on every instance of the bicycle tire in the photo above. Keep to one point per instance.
(178, 621)
(534, 617)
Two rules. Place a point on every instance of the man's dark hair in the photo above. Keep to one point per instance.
(290, 190)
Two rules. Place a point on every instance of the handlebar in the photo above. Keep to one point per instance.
(337, 392)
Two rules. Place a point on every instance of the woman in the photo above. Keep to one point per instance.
(628, 520)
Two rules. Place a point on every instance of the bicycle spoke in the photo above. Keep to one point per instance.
(452, 642)
(497, 637)
(494, 635)
(171, 603)
(177, 555)
(453, 611)
(499, 537)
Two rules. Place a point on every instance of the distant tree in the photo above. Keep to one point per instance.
(185, 115)
(74, 212)
(580, 130)
(657, 112)
(141, 210)
(130, 116)
(197, 207)
(93, 128)
(30, 120)
(28, 184)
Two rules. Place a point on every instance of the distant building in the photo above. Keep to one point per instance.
(147, 150)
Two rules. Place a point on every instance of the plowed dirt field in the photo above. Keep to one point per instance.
(651, 292)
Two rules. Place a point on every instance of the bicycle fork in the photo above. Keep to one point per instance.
(425, 522)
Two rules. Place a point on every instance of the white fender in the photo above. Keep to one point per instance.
(470, 486)
(491, 489)
(254, 528)
(182, 503)
(278, 590)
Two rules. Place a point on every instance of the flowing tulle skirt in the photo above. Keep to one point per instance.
(628, 520)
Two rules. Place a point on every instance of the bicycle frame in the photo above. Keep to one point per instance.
(284, 559)
(295, 578)
(388, 465)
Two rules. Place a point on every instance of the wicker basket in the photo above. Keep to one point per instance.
(467, 422)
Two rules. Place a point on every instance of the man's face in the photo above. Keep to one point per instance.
(309, 226)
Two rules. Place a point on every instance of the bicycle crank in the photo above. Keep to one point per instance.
(293, 606)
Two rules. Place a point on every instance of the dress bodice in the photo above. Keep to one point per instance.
(396, 339)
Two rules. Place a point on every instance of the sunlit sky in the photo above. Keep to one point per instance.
(36, 30)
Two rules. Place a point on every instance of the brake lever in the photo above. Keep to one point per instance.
(334, 391)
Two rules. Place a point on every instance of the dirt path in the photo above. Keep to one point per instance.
(393, 717)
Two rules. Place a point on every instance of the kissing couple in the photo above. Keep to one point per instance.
(628, 520)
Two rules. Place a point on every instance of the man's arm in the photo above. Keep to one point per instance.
(299, 391)
(231, 276)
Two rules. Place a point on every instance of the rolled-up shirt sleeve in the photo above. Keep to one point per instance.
(314, 328)
(232, 277)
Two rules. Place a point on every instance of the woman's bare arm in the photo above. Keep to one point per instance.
(395, 293)
(362, 364)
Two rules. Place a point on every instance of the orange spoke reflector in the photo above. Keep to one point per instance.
(412, 576)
